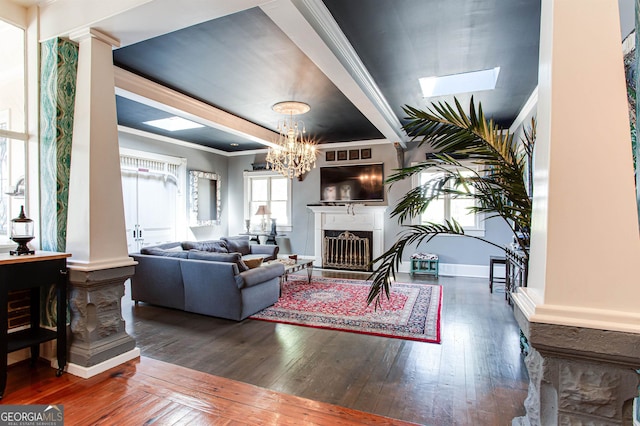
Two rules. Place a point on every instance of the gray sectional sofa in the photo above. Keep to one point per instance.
(207, 277)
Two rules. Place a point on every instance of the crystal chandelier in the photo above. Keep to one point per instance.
(294, 154)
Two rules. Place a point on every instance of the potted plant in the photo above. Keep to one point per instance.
(475, 158)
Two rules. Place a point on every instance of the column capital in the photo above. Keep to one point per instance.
(86, 33)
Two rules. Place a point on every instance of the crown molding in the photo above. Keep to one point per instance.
(139, 89)
(529, 108)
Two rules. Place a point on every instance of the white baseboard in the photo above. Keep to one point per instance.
(48, 351)
(86, 372)
(460, 270)
(445, 269)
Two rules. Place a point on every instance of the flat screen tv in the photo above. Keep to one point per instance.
(357, 182)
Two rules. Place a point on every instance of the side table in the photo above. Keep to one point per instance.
(424, 263)
(33, 272)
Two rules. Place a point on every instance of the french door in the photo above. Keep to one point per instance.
(153, 189)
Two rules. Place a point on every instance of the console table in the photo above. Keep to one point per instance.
(33, 272)
(255, 236)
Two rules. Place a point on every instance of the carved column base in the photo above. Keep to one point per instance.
(579, 376)
(97, 326)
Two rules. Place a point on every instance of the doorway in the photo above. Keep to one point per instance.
(153, 190)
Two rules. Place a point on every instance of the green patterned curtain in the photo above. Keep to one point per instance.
(59, 63)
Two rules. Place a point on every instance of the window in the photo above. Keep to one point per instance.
(12, 127)
(272, 190)
(447, 207)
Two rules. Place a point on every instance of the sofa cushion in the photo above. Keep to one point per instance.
(219, 257)
(166, 246)
(189, 245)
(238, 244)
(264, 273)
(155, 251)
(216, 246)
(267, 251)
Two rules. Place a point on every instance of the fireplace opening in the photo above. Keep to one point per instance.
(347, 250)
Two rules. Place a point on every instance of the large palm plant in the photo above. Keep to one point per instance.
(492, 172)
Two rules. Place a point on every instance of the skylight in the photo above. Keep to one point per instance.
(467, 82)
(173, 124)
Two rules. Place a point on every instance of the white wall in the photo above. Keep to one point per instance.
(452, 250)
(627, 16)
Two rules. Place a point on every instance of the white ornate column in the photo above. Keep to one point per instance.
(96, 238)
(580, 311)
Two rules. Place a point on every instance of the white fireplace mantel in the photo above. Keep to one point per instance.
(350, 217)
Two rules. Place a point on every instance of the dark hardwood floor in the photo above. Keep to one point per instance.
(476, 376)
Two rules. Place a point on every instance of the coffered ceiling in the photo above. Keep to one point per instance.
(356, 63)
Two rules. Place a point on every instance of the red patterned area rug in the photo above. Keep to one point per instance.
(412, 313)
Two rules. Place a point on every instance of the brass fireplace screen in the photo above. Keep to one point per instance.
(346, 251)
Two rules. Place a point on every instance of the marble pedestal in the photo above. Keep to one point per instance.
(579, 376)
(97, 326)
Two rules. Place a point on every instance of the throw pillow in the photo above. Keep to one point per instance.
(253, 263)
(175, 249)
(238, 244)
(219, 257)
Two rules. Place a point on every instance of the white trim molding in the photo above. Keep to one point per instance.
(453, 270)
(310, 25)
(529, 108)
(94, 370)
(601, 319)
(147, 92)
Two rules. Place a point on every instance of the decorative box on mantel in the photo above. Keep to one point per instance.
(350, 217)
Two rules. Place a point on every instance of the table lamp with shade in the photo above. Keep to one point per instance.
(263, 210)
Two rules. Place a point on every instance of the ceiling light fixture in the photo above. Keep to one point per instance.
(466, 82)
(294, 154)
(173, 124)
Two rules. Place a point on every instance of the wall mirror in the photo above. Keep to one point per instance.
(205, 198)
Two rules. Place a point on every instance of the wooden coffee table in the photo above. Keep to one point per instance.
(291, 266)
